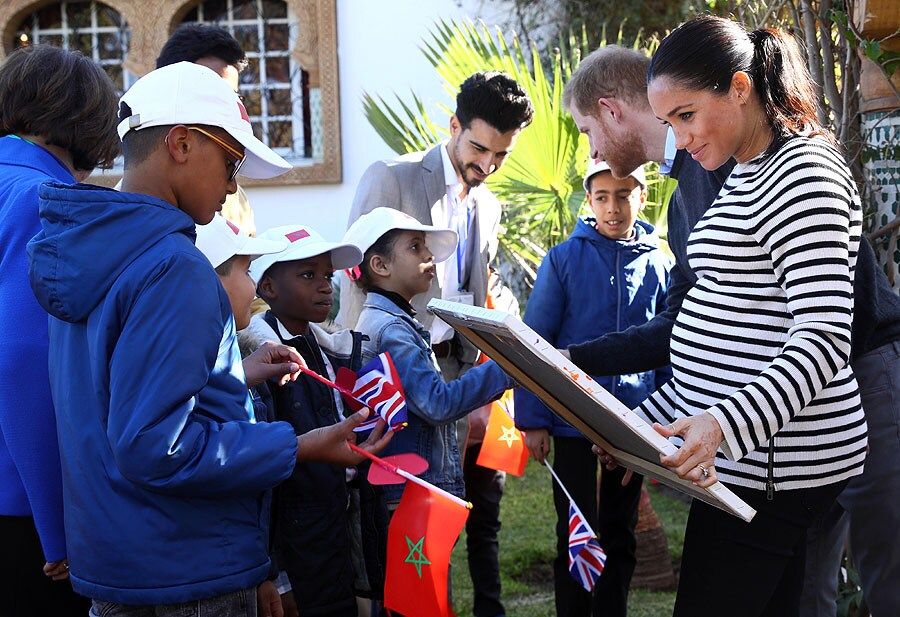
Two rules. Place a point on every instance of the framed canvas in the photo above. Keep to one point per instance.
(570, 393)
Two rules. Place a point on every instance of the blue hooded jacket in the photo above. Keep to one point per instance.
(586, 287)
(164, 467)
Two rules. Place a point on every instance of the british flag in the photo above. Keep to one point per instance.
(586, 558)
(377, 384)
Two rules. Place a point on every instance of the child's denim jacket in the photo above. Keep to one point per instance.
(434, 405)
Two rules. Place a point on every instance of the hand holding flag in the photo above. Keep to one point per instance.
(334, 444)
(376, 387)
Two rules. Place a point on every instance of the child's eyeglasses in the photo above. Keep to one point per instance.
(232, 166)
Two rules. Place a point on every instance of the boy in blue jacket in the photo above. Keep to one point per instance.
(607, 276)
(164, 466)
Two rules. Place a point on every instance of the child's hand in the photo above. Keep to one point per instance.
(289, 604)
(378, 438)
(272, 360)
(57, 570)
(268, 602)
(538, 443)
(329, 444)
(607, 460)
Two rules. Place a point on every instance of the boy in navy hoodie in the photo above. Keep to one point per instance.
(607, 276)
(164, 466)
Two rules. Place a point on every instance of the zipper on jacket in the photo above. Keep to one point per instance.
(615, 380)
(770, 472)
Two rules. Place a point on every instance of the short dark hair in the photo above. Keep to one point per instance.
(705, 53)
(496, 98)
(63, 97)
(272, 272)
(190, 42)
(383, 246)
(138, 145)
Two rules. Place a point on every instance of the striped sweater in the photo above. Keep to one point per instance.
(762, 340)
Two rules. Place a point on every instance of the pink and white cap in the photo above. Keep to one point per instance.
(220, 240)
(304, 242)
(188, 93)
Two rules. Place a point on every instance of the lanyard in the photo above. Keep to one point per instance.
(462, 244)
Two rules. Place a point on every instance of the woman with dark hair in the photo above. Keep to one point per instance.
(762, 395)
(57, 122)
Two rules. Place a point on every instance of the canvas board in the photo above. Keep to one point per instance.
(575, 397)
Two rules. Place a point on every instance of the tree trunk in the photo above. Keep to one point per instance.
(654, 565)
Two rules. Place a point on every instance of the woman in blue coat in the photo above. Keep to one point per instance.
(57, 123)
(609, 275)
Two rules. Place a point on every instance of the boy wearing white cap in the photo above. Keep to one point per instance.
(312, 518)
(230, 252)
(163, 463)
(609, 275)
(398, 264)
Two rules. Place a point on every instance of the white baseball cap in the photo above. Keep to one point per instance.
(365, 231)
(220, 240)
(304, 242)
(188, 93)
(595, 166)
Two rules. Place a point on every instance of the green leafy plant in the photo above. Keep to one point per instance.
(539, 185)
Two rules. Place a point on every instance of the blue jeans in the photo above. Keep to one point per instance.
(240, 603)
(869, 508)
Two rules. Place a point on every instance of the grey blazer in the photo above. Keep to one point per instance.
(414, 184)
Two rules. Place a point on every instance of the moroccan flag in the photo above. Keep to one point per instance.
(503, 447)
(421, 536)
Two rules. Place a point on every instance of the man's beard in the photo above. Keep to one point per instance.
(470, 182)
(625, 155)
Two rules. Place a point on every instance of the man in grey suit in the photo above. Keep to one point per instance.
(444, 187)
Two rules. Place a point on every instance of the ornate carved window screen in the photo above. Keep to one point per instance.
(290, 87)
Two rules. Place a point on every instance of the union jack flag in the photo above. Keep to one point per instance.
(586, 558)
(377, 384)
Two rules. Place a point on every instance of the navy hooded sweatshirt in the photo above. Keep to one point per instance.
(586, 287)
(164, 467)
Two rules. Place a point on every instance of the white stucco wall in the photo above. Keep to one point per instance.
(378, 52)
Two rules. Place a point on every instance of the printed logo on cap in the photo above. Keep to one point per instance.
(244, 116)
(297, 235)
(233, 227)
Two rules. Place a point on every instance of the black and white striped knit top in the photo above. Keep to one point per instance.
(762, 340)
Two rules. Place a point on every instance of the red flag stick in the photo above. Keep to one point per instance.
(405, 474)
(331, 384)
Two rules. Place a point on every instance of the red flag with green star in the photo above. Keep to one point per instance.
(421, 536)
